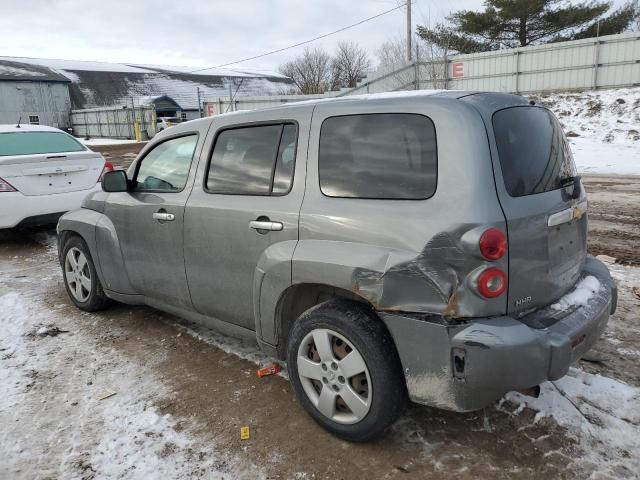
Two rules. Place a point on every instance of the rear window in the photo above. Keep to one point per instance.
(380, 156)
(255, 160)
(33, 143)
(534, 154)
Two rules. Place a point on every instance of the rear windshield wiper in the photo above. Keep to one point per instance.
(572, 185)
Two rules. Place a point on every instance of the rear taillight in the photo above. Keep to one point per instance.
(6, 186)
(108, 167)
(493, 244)
(492, 282)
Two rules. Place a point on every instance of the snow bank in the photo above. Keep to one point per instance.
(603, 128)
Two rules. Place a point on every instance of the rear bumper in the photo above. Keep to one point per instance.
(467, 367)
(16, 208)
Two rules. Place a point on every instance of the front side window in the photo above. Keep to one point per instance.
(166, 167)
(379, 156)
(256, 160)
(534, 154)
(35, 143)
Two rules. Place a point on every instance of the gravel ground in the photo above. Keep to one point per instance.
(135, 393)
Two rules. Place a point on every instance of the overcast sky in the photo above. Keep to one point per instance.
(199, 33)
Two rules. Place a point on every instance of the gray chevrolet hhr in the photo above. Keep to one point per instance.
(421, 246)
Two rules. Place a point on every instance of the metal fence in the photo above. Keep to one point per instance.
(218, 105)
(114, 122)
(611, 61)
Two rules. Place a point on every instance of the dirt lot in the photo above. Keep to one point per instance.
(181, 393)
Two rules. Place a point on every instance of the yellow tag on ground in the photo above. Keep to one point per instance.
(244, 433)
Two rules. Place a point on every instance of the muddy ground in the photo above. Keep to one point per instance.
(210, 394)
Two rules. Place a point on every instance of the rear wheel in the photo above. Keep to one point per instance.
(345, 370)
(80, 277)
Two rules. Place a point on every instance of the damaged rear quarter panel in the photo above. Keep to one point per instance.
(407, 255)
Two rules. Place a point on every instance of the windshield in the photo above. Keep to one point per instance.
(34, 143)
(534, 154)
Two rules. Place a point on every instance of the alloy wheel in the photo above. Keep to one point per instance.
(77, 274)
(334, 376)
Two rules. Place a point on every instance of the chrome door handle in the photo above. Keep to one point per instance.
(266, 225)
(164, 217)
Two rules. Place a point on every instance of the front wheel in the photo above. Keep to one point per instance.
(345, 370)
(80, 277)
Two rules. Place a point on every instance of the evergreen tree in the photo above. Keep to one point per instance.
(514, 23)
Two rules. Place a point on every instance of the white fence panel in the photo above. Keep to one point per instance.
(113, 122)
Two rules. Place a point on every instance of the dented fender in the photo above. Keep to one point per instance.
(435, 280)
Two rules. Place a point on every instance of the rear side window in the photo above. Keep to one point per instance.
(255, 160)
(34, 143)
(534, 154)
(380, 156)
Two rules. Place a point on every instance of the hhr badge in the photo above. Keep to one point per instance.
(523, 301)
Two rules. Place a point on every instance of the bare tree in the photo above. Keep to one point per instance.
(350, 64)
(392, 57)
(635, 24)
(311, 71)
(428, 70)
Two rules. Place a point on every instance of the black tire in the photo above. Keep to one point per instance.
(96, 299)
(360, 326)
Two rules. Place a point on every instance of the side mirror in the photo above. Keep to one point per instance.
(115, 181)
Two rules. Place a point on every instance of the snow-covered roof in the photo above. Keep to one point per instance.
(11, 70)
(95, 84)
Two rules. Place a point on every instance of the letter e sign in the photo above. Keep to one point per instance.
(457, 70)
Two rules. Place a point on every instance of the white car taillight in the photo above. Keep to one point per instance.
(108, 167)
(6, 186)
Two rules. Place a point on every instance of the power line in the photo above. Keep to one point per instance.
(304, 42)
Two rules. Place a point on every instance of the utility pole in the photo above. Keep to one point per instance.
(230, 106)
(408, 30)
(199, 104)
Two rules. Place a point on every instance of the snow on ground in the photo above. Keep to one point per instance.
(603, 128)
(102, 425)
(601, 413)
(594, 156)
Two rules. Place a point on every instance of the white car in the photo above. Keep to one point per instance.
(167, 122)
(44, 172)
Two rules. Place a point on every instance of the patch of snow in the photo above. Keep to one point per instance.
(603, 128)
(19, 72)
(69, 428)
(233, 346)
(601, 413)
(594, 156)
(79, 65)
(580, 296)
